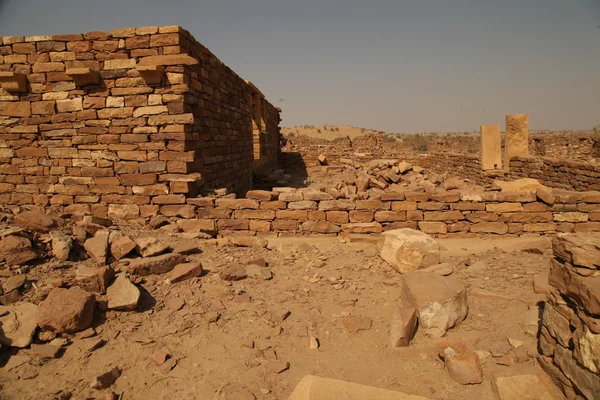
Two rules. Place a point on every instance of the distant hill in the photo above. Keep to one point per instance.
(327, 132)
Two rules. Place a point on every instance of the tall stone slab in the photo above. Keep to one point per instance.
(491, 147)
(517, 136)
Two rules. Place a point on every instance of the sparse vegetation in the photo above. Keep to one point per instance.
(419, 142)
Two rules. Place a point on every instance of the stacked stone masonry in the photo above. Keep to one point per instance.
(307, 211)
(569, 338)
(128, 120)
(557, 173)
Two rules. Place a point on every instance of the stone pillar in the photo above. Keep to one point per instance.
(517, 136)
(491, 148)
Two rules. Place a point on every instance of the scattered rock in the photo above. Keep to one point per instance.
(35, 221)
(175, 303)
(94, 279)
(540, 283)
(107, 379)
(234, 272)
(248, 241)
(355, 324)
(18, 324)
(97, 247)
(322, 159)
(515, 343)
(161, 356)
(407, 249)
(184, 271)
(257, 272)
(185, 247)
(313, 343)
(463, 366)
(45, 350)
(122, 246)
(154, 265)
(15, 282)
(260, 261)
(17, 250)
(61, 245)
(443, 269)
(150, 246)
(278, 366)
(441, 302)
(523, 383)
(67, 310)
(122, 295)
(403, 327)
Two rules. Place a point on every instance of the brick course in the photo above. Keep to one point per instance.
(138, 111)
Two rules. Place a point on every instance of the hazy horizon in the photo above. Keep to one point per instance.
(395, 66)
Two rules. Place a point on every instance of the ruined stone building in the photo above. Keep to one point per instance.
(129, 120)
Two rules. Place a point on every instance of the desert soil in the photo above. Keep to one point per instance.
(226, 337)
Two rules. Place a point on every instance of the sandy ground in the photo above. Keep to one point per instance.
(319, 281)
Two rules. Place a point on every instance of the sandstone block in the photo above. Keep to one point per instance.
(441, 302)
(122, 295)
(67, 310)
(407, 250)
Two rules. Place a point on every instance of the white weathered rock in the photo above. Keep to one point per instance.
(18, 324)
(441, 302)
(408, 249)
(61, 245)
(122, 295)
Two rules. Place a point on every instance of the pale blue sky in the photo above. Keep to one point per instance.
(394, 65)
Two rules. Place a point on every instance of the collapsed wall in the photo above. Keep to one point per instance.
(126, 120)
(569, 339)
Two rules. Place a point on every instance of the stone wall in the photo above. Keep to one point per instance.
(124, 121)
(557, 173)
(569, 339)
(307, 211)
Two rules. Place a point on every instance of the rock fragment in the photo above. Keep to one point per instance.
(441, 302)
(403, 327)
(407, 250)
(107, 379)
(234, 272)
(35, 221)
(17, 250)
(121, 247)
(18, 324)
(67, 310)
(184, 271)
(122, 295)
(61, 245)
(150, 246)
(154, 265)
(97, 247)
(356, 324)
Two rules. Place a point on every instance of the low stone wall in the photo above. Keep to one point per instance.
(556, 173)
(306, 211)
(569, 339)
